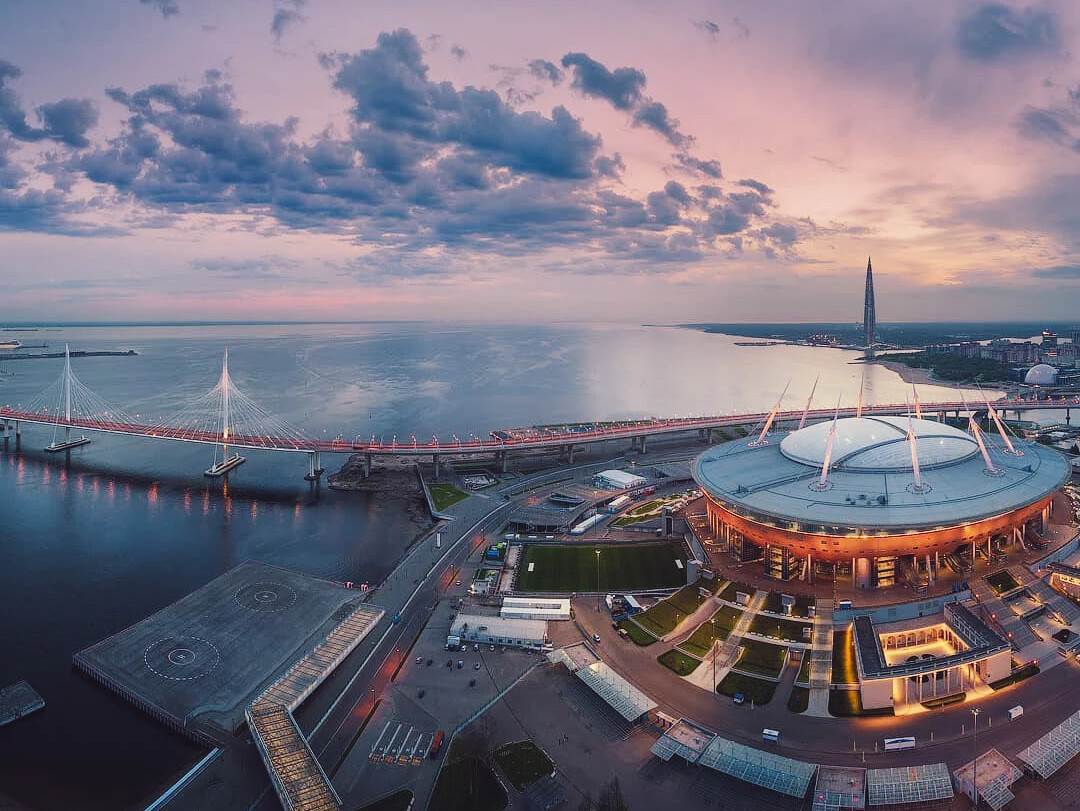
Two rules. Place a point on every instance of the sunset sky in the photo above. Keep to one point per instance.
(659, 162)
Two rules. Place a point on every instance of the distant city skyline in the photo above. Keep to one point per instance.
(183, 160)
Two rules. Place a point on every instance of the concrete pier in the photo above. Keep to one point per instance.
(197, 664)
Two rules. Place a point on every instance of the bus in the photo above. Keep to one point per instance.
(436, 743)
(899, 744)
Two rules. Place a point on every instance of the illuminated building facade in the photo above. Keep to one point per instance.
(881, 498)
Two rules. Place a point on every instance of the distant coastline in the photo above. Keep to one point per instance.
(919, 377)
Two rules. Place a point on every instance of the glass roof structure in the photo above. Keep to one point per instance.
(775, 772)
(621, 695)
(908, 784)
(1054, 749)
(839, 787)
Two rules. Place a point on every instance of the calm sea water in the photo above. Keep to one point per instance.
(133, 525)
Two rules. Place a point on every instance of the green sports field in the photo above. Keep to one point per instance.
(626, 567)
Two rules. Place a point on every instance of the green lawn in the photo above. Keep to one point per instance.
(523, 763)
(844, 670)
(761, 658)
(799, 699)
(848, 704)
(757, 690)
(804, 667)
(718, 627)
(398, 801)
(468, 785)
(444, 495)
(1002, 581)
(801, 608)
(728, 591)
(779, 627)
(637, 635)
(661, 618)
(626, 567)
(678, 661)
(687, 599)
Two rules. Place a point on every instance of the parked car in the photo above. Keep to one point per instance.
(738, 698)
(419, 660)
(596, 637)
(460, 664)
(476, 666)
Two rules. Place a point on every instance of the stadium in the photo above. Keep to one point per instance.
(878, 499)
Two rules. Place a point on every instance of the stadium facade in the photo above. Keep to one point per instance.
(880, 498)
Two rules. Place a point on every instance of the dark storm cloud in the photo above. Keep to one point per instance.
(1068, 272)
(458, 52)
(756, 185)
(991, 31)
(68, 120)
(1045, 124)
(65, 121)
(697, 166)
(708, 28)
(542, 69)
(622, 86)
(392, 93)
(168, 8)
(654, 115)
(424, 164)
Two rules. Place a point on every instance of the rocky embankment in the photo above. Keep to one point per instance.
(393, 480)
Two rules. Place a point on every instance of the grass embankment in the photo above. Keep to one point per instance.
(758, 691)
(780, 628)
(629, 567)
(844, 670)
(944, 701)
(678, 662)
(398, 801)
(799, 699)
(1002, 582)
(728, 591)
(761, 658)
(638, 635)
(774, 603)
(663, 617)
(804, 667)
(523, 763)
(467, 784)
(848, 704)
(445, 495)
(1025, 672)
(716, 628)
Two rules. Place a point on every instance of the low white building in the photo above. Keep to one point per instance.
(535, 608)
(617, 480)
(491, 630)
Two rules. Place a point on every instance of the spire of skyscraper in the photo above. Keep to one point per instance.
(869, 315)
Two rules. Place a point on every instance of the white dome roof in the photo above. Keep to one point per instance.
(879, 443)
(1042, 375)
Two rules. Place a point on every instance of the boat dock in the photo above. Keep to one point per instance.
(17, 700)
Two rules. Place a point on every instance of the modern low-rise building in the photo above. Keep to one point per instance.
(535, 608)
(617, 480)
(493, 630)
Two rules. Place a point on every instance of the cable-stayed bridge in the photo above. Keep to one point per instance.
(228, 420)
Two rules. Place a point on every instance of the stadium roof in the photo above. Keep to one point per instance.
(870, 479)
(685, 739)
(1054, 749)
(908, 784)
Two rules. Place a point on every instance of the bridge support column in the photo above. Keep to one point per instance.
(435, 460)
(1068, 413)
(502, 461)
(315, 469)
(644, 439)
(18, 434)
(570, 453)
(4, 430)
(366, 468)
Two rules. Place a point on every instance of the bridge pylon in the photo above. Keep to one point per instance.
(227, 462)
(67, 380)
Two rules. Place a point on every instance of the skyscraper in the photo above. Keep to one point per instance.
(869, 317)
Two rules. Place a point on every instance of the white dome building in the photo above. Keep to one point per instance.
(872, 516)
(1042, 375)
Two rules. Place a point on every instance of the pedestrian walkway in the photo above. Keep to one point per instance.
(729, 653)
(1056, 602)
(994, 611)
(821, 659)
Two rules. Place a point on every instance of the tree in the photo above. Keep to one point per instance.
(611, 797)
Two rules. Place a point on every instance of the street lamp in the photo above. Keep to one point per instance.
(975, 762)
(597, 581)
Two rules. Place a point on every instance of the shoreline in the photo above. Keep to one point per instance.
(910, 374)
